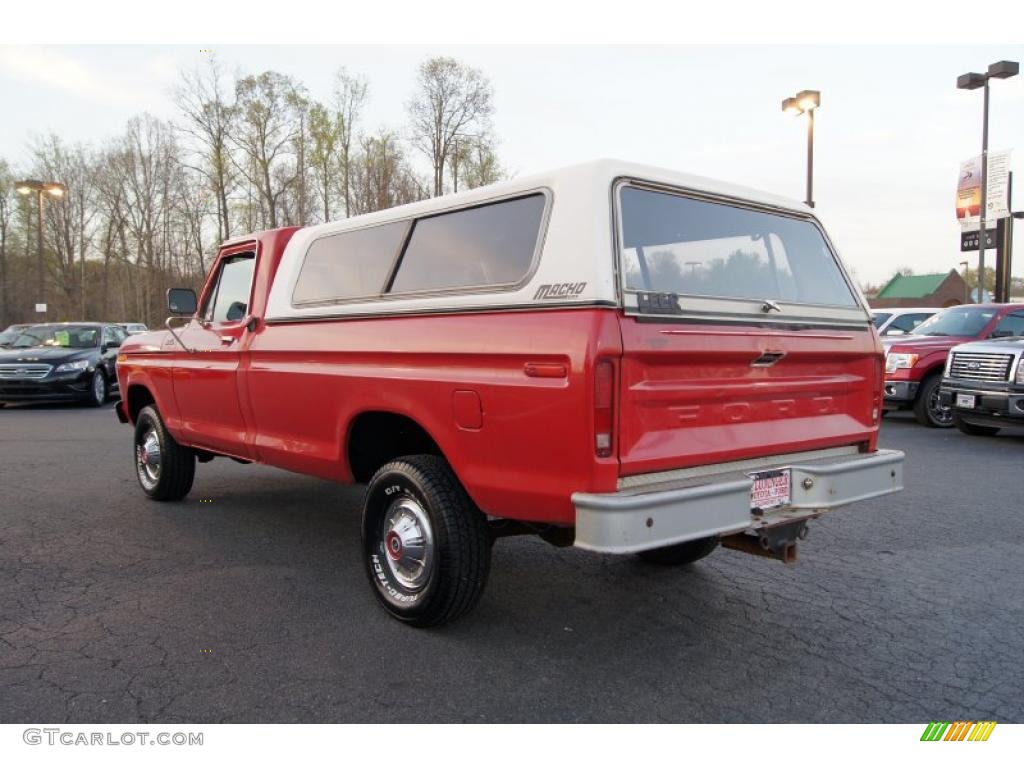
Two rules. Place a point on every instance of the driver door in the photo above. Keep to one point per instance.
(206, 381)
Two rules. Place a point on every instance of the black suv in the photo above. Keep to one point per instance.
(61, 361)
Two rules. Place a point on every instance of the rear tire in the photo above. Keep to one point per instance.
(426, 546)
(164, 468)
(973, 429)
(927, 409)
(680, 554)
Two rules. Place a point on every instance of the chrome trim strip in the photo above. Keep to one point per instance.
(656, 478)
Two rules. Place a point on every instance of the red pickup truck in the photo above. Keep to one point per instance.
(610, 356)
(914, 364)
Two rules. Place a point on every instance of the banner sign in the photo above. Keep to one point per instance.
(968, 190)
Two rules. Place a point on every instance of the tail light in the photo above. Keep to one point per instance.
(604, 408)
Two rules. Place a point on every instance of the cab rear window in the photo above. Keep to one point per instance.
(688, 246)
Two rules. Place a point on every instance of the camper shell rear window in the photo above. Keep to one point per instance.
(673, 243)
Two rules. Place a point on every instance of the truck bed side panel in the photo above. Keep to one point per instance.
(308, 381)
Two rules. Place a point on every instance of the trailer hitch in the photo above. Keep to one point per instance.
(778, 542)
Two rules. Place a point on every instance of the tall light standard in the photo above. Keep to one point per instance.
(41, 188)
(806, 102)
(969, 82)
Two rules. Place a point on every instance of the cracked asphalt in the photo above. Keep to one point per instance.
(247, 603)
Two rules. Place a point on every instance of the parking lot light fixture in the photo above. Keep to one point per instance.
(805, 103)
(41, 189)
(791, 107)
(971, 81)
(808, 100)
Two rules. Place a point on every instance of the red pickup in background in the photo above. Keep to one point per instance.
(914, 364)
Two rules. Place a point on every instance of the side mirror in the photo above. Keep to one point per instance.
(108, 345)
(181, 301)
(236, 311)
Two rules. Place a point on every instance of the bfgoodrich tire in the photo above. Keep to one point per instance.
(927, 408)
(974, 429)
(164, 468)
(426, 546)
(680, 554)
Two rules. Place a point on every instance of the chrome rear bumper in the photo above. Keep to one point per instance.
(717, 502)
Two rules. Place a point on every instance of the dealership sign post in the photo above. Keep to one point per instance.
(969, 200)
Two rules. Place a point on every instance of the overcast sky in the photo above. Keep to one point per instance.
(890, 133)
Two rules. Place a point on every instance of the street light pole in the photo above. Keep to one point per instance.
(806, 102)
(984, 198)
(810, 158)
(969, 82)
(41, 189)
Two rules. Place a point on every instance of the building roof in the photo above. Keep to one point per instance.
(912, 286)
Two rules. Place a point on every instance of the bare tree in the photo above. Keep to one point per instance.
(265, 132)
(381, 175)
(6, 213)
(349, 98)
(69, 220)
(325, 136)
(147, 164)
(207, 120)
(452, 99)
(146, 208)
(300, 103)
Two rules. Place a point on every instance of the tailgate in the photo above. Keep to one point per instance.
(704, 394)
(742, 334)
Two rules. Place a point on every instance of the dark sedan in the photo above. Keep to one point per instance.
(61, 361)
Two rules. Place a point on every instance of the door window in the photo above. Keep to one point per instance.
(110, 336)
(228, 301)
(907, 323)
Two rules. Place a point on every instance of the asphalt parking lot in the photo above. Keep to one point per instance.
(247, 603)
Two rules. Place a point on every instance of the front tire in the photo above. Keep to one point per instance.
(97, 390)
(164, 468)
(974, 429)
(680, 554)
(927, 408)
(426, 546)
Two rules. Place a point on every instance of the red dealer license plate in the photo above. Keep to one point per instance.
(770, 490)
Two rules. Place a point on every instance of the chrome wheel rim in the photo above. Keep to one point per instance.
(407, 541)
(941, 415)
(99, 388)
(147, 459)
